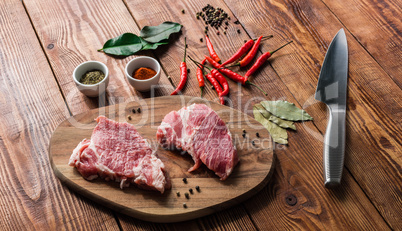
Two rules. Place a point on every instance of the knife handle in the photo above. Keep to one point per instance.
(334, 147)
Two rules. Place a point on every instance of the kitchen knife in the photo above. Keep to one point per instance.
(332, 90)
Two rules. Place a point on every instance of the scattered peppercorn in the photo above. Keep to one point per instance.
(187, 195)
(191, 190)
(257, 134)
(245, 41)
(237, 22)
(139, 110)
(238, 31)
(253, 143)
(197, 188)
(184, 205)
(244, 130)
(224, 32)
(188, 70)
(198, 17)
(201, 40)
(217, 32)
(178, 193)
(185, 180)
(244, 135)
(212, 88)
(186, 45)
(134, 111)
(183, 11)
(129, 117)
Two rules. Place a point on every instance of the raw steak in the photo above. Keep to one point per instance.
(117, 152)
(200, 132)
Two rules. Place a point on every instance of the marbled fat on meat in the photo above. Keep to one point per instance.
(200, 132)
(116, 151)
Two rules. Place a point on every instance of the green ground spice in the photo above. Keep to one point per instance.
(92, 77)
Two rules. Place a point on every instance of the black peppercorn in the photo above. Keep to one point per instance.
(238, 31)
(187, 195)
(185, 180)
(134, 111)
(139, 110)
(184, 205)
(201, 39)
(244, 135)
(191, 190)
(197, 188)
(188, 70)
(257, 134)
(183, 11)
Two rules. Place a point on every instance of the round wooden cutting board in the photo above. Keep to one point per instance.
(249, 176)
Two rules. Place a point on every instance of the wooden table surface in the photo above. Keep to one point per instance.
(42, 41)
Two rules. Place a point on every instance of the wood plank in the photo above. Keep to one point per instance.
(31, 107)
(377, 27)
(373, 120)
(255, 168)
(72, 32)
(315, 205)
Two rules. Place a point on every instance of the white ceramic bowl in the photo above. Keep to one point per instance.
(91, 90)
(143, 61)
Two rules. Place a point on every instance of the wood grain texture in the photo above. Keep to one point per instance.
(374, 115)
(305, 147)
(31, 198)
(377, 27)
(249, 176)
(72, 32)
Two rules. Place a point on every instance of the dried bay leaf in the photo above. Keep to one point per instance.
(279, 135)
(282, 123)
(286, 110)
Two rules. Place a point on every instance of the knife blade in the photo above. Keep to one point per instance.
(332, 90)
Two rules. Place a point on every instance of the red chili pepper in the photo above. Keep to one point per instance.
(200, 77)
(246, 60)
(218, 76)
(183, 72)
(234, 76)
(211, 50)
(243, 49)
(217, 87)
(212, 62)
(261, 60)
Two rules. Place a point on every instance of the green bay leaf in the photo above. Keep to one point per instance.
(123, 45)
(154, 34)
(279, 135)
(152, 46)
(286, 110)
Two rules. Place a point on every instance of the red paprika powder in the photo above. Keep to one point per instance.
(143, 73)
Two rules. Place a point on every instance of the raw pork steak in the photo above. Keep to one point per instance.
(198, 130)
(117, 152)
